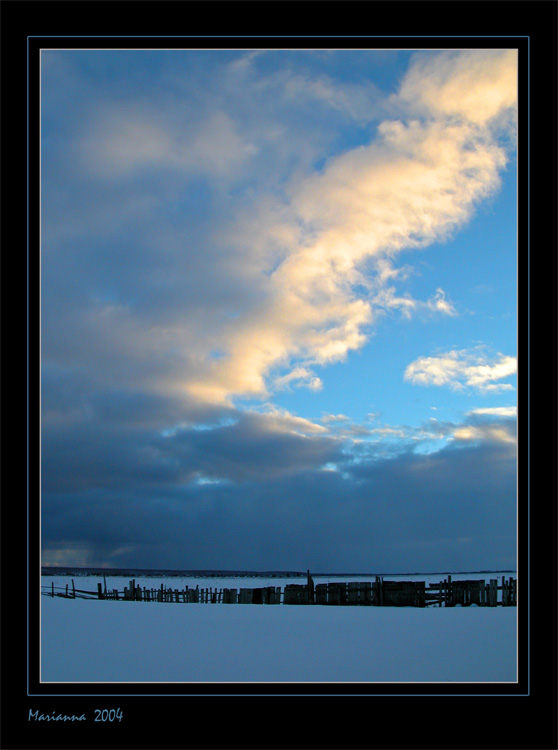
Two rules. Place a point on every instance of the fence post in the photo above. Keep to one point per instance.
(493, 592)
(310, 586)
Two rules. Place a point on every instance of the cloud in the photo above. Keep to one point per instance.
(487, 432)
(241, 451)
(401, 512)
(413, 185)
(328, 418)
(496, 424)
(354, 101)
(301, 377)
(476, 85)
(387, 299)
(124, 140)
(466, 368)
(288, 278)
(128, 442)
(498, 411)
(439, 303)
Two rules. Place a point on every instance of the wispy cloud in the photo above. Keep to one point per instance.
(328, 418)
(126, 141)
(301, 377)
(388, 299)
(497, 411)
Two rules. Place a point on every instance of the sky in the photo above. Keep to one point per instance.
(279, 309)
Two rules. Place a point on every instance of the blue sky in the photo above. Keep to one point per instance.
(279, 314)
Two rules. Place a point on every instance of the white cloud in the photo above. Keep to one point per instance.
(463, 369)
(389, 432)
(301, 377)
(327, 418)
(439, 303)
(496, 411)
(388, 299)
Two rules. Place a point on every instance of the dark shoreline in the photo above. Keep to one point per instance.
(158, 573)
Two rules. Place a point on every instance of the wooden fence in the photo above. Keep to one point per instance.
(379, 593)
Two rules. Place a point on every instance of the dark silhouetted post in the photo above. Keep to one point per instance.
(310, 587)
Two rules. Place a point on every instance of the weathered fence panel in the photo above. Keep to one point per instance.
(321, 593)
(353, 592)
(295, 594)
(336, 593)
(403, 593)
(245, 596)
(271, 595)
(366, 593)
(377, 592)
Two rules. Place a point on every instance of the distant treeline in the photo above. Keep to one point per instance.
(155, 573)
(162, 573)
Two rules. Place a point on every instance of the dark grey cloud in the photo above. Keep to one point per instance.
(121, 443)
(451, 509)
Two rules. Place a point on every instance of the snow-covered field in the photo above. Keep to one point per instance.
(109, 641)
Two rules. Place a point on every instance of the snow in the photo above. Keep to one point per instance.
(109, 641)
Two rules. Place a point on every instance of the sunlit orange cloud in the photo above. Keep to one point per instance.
(495, 433)
(477, 85)
(416, 183)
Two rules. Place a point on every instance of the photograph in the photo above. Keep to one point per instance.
(278, 356)
(279, 359)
